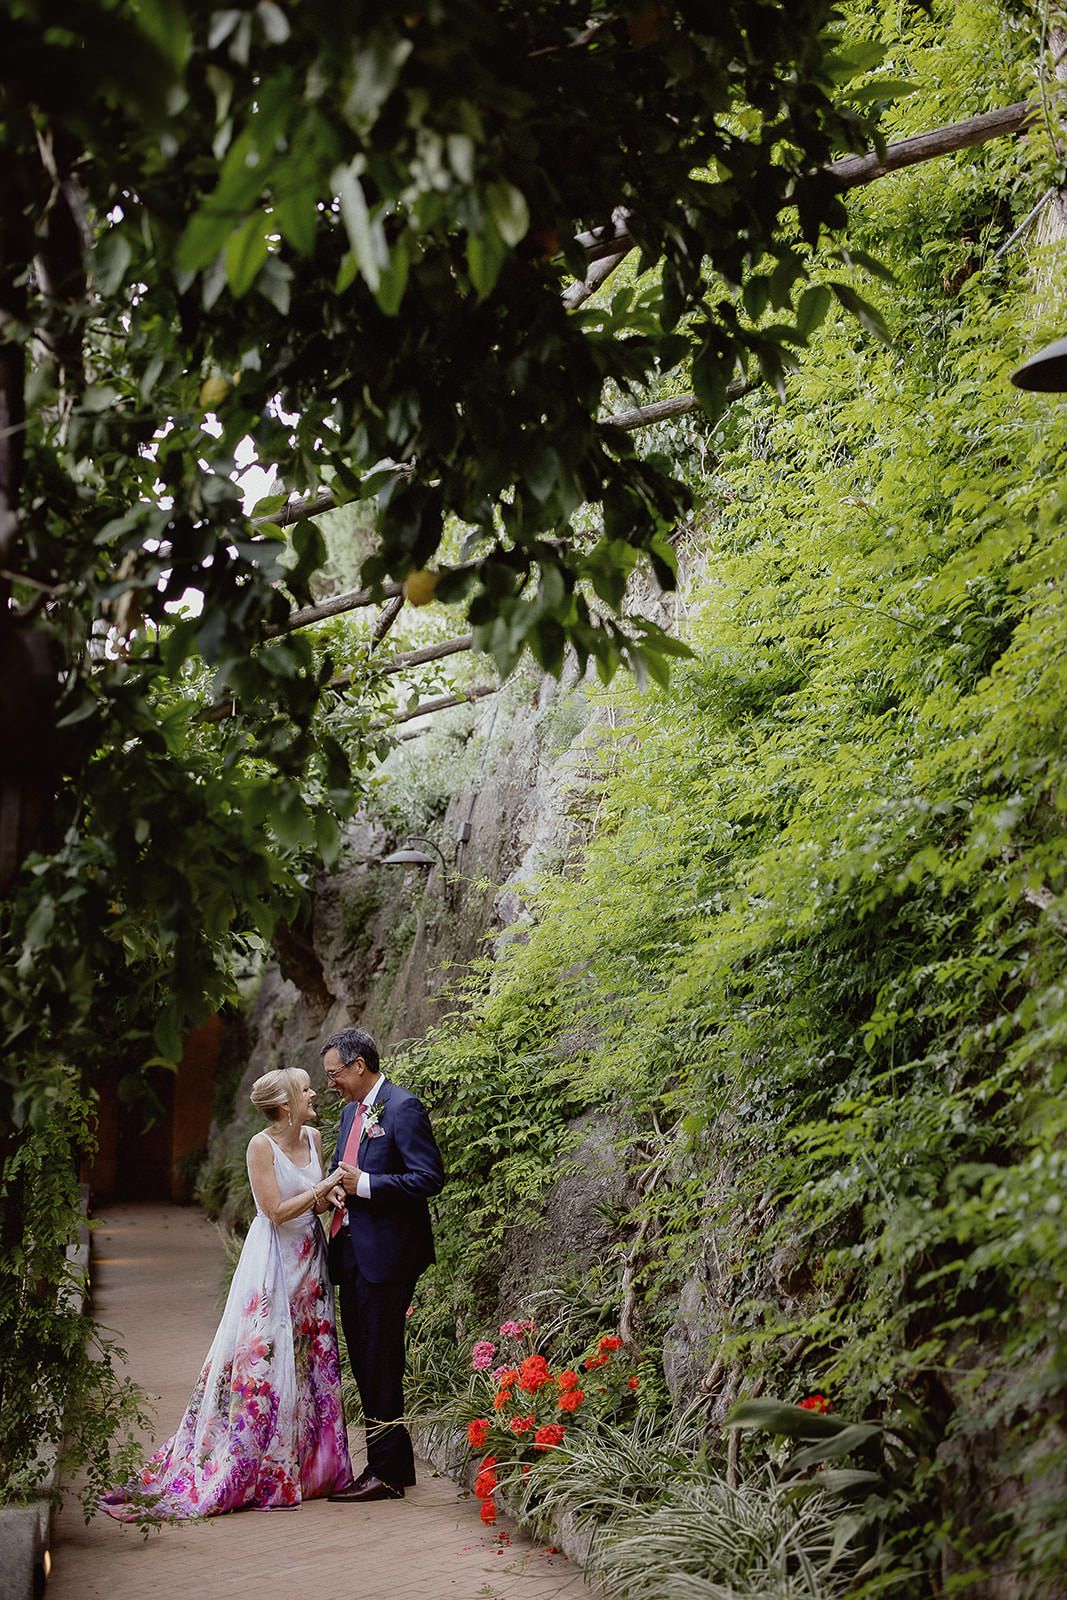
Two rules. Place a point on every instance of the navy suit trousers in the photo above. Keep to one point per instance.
(373, 1316)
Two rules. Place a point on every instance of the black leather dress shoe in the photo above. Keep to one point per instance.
(367, 1487)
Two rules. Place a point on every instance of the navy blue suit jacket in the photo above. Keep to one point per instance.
(390, 1236)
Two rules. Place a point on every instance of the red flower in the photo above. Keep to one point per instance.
(478, 1432)
(508, 1377)
(485, 1482)
(568, 1379)
(500, 1400)
(551, 1434)
(633, 1382)
(533, 1373)
(522, 1425)
(488, 1512)
(610, 1341)
(591, 1362)
(571, 1399)
(814, 1402)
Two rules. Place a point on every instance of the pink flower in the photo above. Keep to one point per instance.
(515, 1330)
(482, 1355)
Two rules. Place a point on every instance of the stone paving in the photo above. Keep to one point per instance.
(156, 1277)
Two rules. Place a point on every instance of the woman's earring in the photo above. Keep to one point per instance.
(290, 1116)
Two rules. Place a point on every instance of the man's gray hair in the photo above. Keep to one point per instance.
(350, 1043)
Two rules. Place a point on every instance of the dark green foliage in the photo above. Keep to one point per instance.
(362, 219)
(61, 1391)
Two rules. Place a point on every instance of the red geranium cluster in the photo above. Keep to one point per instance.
(485, 1488)
(604, 1352)
(532, 1405)
(533, 1374)
(478, 1433)
(814, 1402)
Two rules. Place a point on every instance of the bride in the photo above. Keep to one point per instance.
(264, 1427)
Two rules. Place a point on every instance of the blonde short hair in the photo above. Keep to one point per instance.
(277, 1089)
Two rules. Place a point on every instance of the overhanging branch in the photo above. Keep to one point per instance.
(414, 658)
(851, 172)
(614, 240)
(630, 421)
(352, 601)
(477, 692)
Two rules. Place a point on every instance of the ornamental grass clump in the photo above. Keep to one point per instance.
(661, 1520)
(533, 1407)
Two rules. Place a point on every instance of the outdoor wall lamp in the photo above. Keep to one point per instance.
(1047, 370)
(409, 855)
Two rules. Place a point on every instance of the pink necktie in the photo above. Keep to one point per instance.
(351, 1151)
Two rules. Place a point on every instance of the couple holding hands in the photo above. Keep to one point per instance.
(265, 1427)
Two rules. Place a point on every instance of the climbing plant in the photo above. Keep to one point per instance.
(817, 935)
(63, 1395)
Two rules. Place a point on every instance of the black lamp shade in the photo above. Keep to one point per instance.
(1047, 370)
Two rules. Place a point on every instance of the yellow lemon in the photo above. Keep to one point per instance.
(420, 586)
(212, 391)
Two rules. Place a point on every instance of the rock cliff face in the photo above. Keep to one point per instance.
(390, 941)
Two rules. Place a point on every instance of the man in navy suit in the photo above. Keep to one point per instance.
(380, 1243)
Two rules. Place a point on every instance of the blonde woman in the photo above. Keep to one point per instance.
(264, 1427)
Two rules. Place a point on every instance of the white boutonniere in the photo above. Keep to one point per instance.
(372, 1122)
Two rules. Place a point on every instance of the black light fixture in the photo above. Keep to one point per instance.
(1047, 370)
(408, 856)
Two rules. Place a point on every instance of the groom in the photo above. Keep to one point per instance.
(380, 1242)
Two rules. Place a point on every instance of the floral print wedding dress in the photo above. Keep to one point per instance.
(264, 1427)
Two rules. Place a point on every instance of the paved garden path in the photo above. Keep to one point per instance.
(156, 1278)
